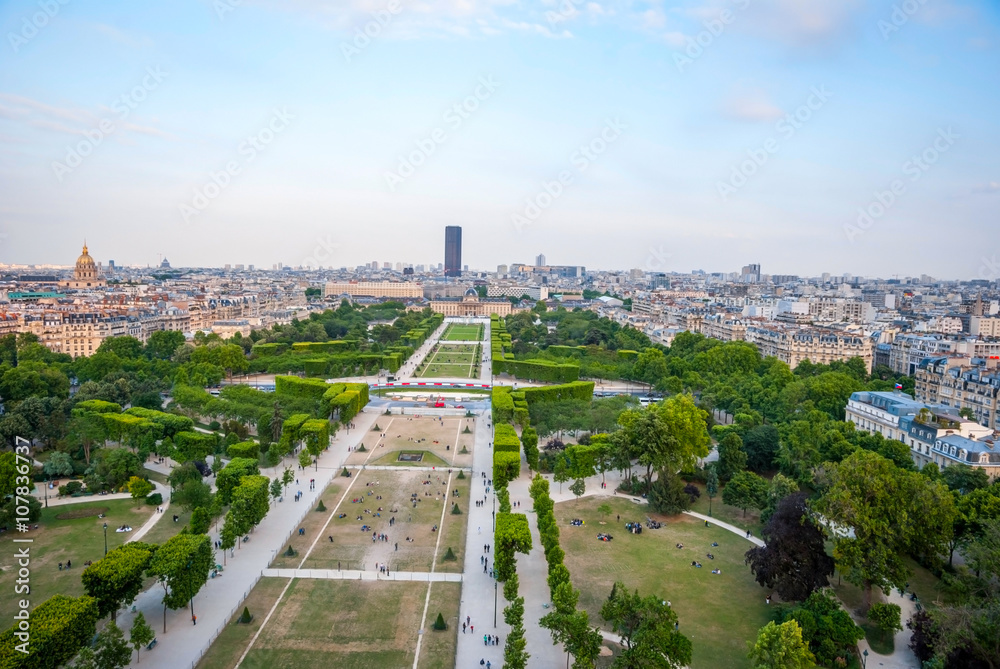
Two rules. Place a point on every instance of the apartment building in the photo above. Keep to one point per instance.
(984, 327)
(725, 328)
(933, 432)
(820, 346)
(396, 289)
(517, 290)
(962, 383)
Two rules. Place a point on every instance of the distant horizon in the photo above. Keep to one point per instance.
(860, 136)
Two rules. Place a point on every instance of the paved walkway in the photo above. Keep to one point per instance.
(219, 599)
(902, 656)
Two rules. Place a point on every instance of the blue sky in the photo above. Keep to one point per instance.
(719, 133)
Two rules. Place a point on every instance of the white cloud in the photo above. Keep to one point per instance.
(751, 105)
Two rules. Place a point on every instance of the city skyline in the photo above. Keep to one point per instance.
(666, 137)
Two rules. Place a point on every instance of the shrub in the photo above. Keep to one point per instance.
(692, 491)
(154, 499)
(455, 511)
(461, 474)
(70, 488)
(321, 506)
(345, 473)
(246, 617)
(464, 451)
(362, 449)
(450, 555)
(214, 426)
(439, 624)
(290, 552)
(466, 430)
(376, 428)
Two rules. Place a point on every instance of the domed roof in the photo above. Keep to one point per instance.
(85, 260)
(471, 292)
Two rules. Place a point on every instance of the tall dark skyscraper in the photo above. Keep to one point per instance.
(453, 251)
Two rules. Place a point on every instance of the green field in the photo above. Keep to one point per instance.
(374, 625)
(450, 360)
(77, 537)
(719, 613)
(459, 332)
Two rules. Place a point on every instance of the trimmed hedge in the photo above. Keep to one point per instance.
(97, 406)
(505, 439)
(60, 627)
(503, 405)
(296, 387)
(246, 449)
(172, 423)
(538, 370)
(190, 446)
(265, 350)
(506, 468)
(578, 390)
(316, 433)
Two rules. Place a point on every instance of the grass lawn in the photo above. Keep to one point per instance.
(719, 613)
(352, 547)
(455, 527)
(438, 649)
(234, 638)
(457, 332)
(727, 514)
(374, 625)
(441, 438)
(165, 527)
(77, 537)
(428, 459)
(454, 360)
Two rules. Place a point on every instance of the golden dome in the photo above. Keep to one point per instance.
(85, 260)
(86, 268)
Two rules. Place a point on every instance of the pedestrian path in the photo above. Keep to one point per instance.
(183, 644)
(726, 526)
(482, 598)
(359, 575)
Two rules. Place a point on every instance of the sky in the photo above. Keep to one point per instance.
(838, 136)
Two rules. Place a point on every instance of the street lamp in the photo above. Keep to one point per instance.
(105, 538)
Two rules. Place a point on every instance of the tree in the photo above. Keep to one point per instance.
(139, 488)
(193, 494)
(732, 458)
(59, 464)
(116, 579)
(8, 474)
(181, 566)
(287, 476)
(887, 617)
(560, 471)
(110, 650)
(275, 488)
(648, 631)
(200, 521)
(964, 478)
(304, 458)
(781, 486)
(571, 628)
(711, 487)
(780, 647)
(826, 627)
(578, 487)
(230, 476)
(746, 490)
(9, 511)
(162, 344)
(794, 560)
(891, 513)
(141, 634)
